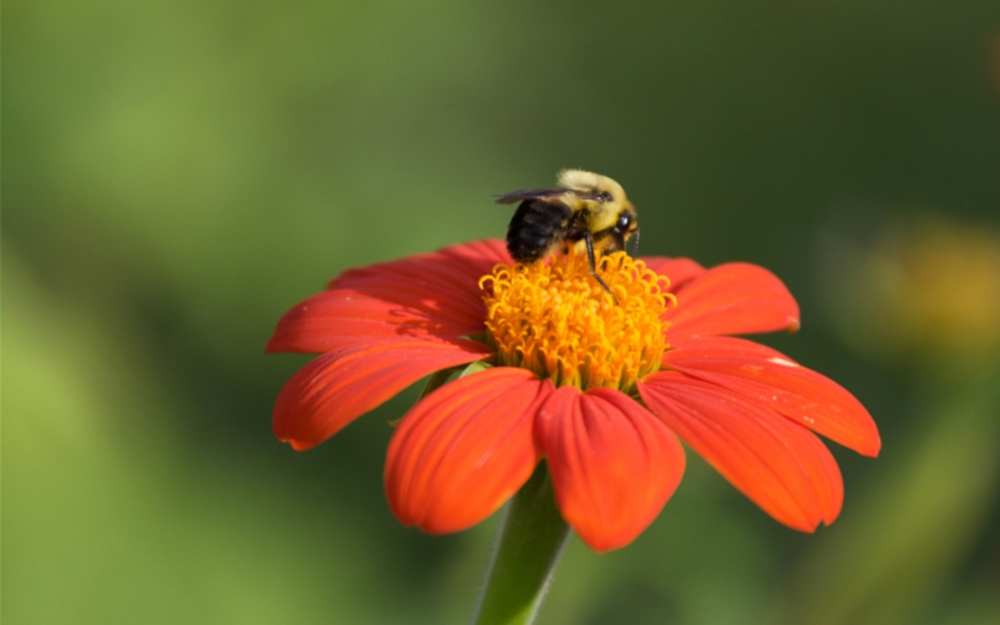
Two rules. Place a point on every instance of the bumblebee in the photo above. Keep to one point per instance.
(587, 211)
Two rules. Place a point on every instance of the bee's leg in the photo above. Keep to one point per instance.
(635, 244)
(593, 263)
(619, 238)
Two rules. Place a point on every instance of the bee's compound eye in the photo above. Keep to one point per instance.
(624, 221)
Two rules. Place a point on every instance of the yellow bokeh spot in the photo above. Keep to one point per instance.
(938, 286)
(554, 318)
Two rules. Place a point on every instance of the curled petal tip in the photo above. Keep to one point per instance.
(299, 445)
(874, 447)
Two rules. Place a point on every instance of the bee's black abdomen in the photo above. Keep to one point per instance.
(535, 227)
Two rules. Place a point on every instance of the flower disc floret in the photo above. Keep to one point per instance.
(555, 319)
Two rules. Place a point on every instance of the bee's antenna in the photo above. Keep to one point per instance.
(635, 244)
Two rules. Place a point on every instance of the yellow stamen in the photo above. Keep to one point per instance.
(555, 319)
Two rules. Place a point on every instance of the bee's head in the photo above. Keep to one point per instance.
(606, 192)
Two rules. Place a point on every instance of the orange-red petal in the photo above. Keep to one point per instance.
(423, 296)
(464, 450)
(613, 464)
(680, 271)
(735, 298)
(761, 374)
(340, 317)
(343, 384)
(780, 465)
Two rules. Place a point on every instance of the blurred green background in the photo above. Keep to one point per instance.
(176, 175)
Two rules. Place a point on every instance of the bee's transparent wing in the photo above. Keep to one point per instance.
(529, 194)
(542, 194)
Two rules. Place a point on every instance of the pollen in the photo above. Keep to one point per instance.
(554, 318)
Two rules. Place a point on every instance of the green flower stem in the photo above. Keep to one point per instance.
(437, 380)
(529, 542)
(442, 377)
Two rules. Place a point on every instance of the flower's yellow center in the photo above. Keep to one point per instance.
(555, 319)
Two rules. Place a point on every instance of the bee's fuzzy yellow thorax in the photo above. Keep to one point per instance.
(556, 320)
(579, 180)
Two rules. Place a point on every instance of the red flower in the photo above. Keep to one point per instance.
(597, 387)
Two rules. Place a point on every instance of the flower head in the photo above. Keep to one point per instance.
(556, 320)
(599, 385)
